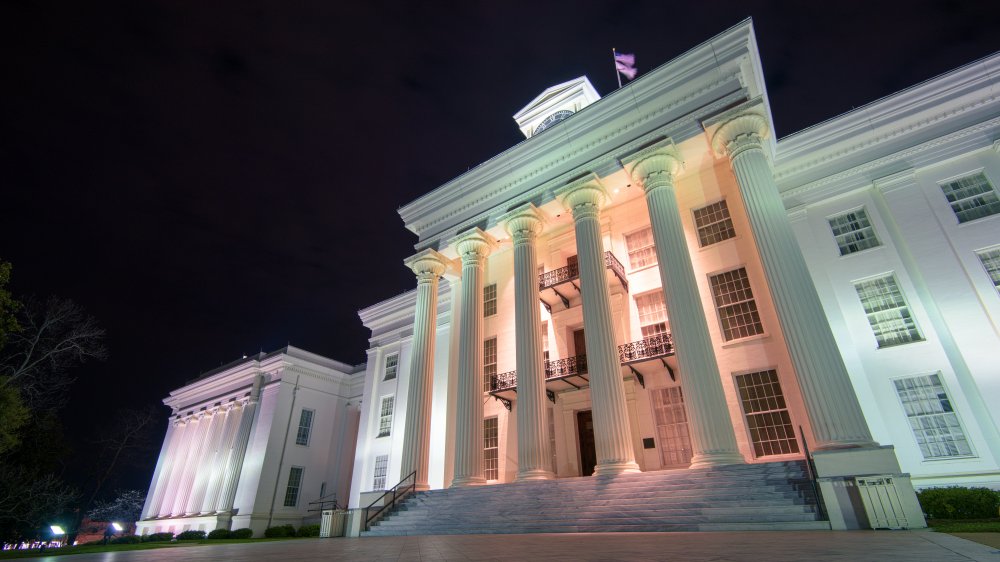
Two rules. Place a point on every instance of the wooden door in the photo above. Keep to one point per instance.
(588, 452)
(579, 343)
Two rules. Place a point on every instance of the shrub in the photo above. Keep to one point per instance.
(191, 536)
(220, 534)
(308, 531)
(280, 531)
(243, 533)
(158, 537)
(959, 503)
(127, 539)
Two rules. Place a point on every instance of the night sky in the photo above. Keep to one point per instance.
(214, 179)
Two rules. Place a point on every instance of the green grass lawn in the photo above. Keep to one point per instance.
(65, 551)
(965, 525)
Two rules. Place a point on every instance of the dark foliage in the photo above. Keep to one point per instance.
(280, 531)
(242, 534)
(220, 534)
(191, 536)
(308, 531)
(158, 537)
(959, 503)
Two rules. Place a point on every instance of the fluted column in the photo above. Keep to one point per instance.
(162, 475)
(222, 448)
(834, 413)
(473, 246)
(185, 432)
(234, 464)
(607, 391)
(713, 441)
(428, 266)
(200, 426)
(524, 224)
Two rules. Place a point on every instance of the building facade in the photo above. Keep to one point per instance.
(250, 444)
(650, 280)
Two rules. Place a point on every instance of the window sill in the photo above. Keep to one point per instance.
(748, 339)
(865, 251)
(380, 435)
(716, 245)
(901, 344)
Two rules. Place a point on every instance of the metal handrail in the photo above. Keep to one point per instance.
(566, 367)
(570, 272)
(652, 347)
(811, 473)
(503, 381)
(322, 501)
(398, 492)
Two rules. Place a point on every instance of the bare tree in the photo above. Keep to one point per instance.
(125, 506)
(53, 337)
(27, 499)
(130, 441)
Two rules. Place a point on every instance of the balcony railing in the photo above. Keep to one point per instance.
(568, 367)
(652, 347)
(503, 381)
(562, 275)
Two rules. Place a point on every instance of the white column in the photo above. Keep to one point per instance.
(533, 454)
(473, 246)
(612, 437)
(222, 447)
(178, 457)
(234, 465)
(162, 474)
(191, 465)
(205, 464)
(834, 413)
(428, 266)
(713, 441)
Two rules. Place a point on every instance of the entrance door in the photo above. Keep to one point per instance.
(588, 452)
(579, 343)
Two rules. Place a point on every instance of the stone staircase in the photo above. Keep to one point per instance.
(769, 496)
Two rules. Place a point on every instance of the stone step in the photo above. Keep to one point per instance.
(638, 528)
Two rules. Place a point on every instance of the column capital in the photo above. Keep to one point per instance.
(653, 164)
(473, 245)
(742, 127)
(427, 264)
(584, 194)
(523, 222)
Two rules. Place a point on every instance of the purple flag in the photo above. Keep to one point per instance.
(625, 63)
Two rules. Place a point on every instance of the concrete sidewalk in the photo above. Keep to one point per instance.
(882, 546)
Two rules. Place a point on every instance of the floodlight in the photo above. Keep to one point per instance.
(57, 530)
(118, 527)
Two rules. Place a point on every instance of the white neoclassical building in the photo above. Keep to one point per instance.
(652, 281)
(252, 443)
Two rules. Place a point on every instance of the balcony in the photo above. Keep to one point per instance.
(571, 373)
(551, 283)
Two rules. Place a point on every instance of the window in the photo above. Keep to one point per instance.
(489, 363)
(991, 262)
(381, 467)
(652, 313)
(671, 426)
(714, 223)
(734, 301)
(385, 416)
(305, 427)
(490, 300)
(545, 341)
(771, 430)
(887, 311)
(294, 485)
(641, 250)
(853, 232)
(391, 364)
(491, 444)
(932, 419)
(971, 197)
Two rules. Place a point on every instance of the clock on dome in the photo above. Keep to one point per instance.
(552, 120)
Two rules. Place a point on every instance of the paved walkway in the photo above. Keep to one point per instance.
(881, 546)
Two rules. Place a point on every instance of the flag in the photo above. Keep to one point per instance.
(625, 63)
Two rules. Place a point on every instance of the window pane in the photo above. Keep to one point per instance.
(853, 232)
(971, 197)
(932, 419)
(714, 223)
(294, 484)
(489, 363)
(490, 300)
(766, 414)
(391, 364)
(641, 251)
(491, 443)
(887, 311)
(652, 313)
(381, 467)
(991, 262)
(305, 427)
(672, 434)
(735, 303)
(385, 416)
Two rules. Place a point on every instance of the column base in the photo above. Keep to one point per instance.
(537, 474)
(620, 467)
(462, 482)
(707, 460)
(421, 486)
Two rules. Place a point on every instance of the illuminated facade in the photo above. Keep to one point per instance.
(650, 281)
(250, 444)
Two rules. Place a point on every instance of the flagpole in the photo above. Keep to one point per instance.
(617, 74)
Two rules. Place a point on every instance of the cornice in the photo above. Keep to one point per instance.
(894, 182)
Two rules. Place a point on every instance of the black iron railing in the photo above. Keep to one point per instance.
(326, 502)
(399, 492)
(566, 367)
(572, 271)
(652, 347)
(503, 381)
(811, 474)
